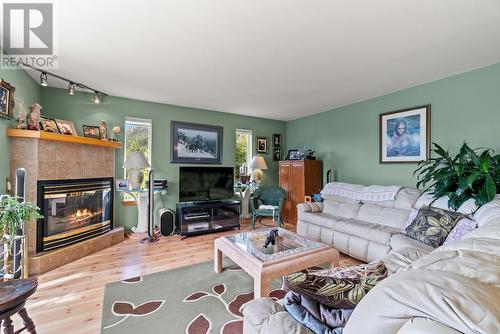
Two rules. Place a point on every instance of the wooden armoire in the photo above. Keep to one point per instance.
(298, 178)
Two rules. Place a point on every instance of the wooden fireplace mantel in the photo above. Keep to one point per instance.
(62, 138)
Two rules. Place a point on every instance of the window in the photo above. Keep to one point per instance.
(138, 133)
(243, 153)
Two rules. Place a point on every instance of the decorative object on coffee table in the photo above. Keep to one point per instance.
(91, 131)
(196, 143)
(262, 144)
(34, 117)
(13, 295)
(271, 238)
(6, 99)
(136, 162)
(291, 253)
(405, 135)
(66, 127)
(49, 125)
(257, 164)
(103, 127)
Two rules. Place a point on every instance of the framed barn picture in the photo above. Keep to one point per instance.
(196, 143)
(405, 135)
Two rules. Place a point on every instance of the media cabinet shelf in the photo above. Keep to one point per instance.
(206, 217)
(41, 135)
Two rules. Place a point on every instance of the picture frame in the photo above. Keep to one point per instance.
(91, 131)
(66, 127)
(276, 154)
(276, 140)
(196, 143)
(262, 145)
(121, 185)
(48, 124)
(6, 99)
(404, 135)
(293, 155)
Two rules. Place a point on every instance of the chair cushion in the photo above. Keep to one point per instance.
(341, 287)
(432, 225)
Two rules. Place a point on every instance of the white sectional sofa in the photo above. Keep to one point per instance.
(450, 290)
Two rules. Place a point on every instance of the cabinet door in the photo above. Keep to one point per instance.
(296, 187)
(285, 184)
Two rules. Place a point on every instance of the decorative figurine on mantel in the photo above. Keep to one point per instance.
(271, 238)
(20, 115)
(116, 133)
(34, 117)
(104, 130)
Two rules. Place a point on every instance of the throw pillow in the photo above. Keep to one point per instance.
(341, 287)
(432, 225)
(463, 226)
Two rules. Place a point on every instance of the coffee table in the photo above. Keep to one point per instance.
(291, 253)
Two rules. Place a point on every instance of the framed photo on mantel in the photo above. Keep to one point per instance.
(405, 135)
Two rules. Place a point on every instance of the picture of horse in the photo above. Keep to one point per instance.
(196, 143)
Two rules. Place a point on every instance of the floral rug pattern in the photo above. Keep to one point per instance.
(190, 300)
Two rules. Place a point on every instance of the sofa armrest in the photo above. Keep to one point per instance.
(266, 316)
(424, 326)
(313, 207)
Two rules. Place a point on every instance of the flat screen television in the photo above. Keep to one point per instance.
(197, 184)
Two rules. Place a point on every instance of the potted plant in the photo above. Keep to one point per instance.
(13, 214)
(471, 173)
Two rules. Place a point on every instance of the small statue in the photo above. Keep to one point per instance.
(271, 238)
(116, 133)
(104, 130)
(34, 117)
(20, 115)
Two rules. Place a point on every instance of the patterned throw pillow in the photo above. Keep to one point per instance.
(432, 225)
(341, 287)
(463, 226)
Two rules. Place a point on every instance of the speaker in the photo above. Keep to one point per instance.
(167, 222)
(151, 203)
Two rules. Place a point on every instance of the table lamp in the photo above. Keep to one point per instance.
(136, 162)
(257, 164)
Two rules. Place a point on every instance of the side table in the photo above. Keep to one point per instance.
(13, 295)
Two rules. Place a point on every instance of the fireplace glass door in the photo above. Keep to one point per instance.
(74, 210)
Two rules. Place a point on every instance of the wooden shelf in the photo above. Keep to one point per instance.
(59, 137)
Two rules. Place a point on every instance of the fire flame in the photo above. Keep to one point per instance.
(83, 213)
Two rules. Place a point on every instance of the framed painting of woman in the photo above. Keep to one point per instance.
(405, 135)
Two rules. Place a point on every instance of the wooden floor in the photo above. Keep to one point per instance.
(69, 299)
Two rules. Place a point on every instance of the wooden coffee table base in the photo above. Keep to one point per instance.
(263, 273)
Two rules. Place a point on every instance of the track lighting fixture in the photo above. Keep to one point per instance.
(43, 79)
(96, 98)
(71, 89)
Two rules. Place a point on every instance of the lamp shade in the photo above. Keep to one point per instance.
(258, 162)
(137, 160)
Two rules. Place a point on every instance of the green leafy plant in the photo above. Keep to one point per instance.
(472, 173)
(13, 213)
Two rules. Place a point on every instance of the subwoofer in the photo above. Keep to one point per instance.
(166, 217)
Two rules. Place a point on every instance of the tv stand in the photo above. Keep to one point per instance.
(194, 218)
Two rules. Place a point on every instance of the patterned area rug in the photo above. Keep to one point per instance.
(192, 300)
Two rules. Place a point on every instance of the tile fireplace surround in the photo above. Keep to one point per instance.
(59, 160)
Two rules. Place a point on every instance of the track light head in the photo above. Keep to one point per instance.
(71, 88)
(43, 79)
(97, 97)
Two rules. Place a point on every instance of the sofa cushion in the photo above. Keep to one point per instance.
(442, 203)
(399, 241)
(383, 215)
(342, 210)
(464, 226)
(489, 212)
(432, 225)
(405, 199)
(341, 287)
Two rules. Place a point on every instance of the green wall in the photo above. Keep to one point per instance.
(79, 109)
(464, 107)
(27, 91)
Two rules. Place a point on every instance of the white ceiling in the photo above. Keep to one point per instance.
(279, 59)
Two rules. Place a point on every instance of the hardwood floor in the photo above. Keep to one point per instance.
(69, 298)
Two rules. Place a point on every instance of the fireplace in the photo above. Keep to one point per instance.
(73, 210)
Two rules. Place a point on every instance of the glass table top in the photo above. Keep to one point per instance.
(287, 243)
